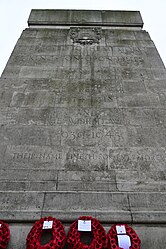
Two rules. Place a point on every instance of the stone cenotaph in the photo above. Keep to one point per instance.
(82, 124)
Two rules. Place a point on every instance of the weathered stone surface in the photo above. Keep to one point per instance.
(82, 123)
(29, 136)
(70, 205)
(87, 180)
(20, 205)
(153, 203)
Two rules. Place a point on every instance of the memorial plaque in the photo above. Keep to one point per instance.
(82, 122)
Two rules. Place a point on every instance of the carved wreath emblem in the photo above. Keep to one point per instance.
(85, 36)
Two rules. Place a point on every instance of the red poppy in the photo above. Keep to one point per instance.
(58, 233)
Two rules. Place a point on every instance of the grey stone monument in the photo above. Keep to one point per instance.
(82, 124)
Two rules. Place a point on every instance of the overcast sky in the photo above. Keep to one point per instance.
(14, 15)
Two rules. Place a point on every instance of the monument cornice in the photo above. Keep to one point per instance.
(106, 18)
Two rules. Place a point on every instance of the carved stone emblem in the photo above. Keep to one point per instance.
(85, 36)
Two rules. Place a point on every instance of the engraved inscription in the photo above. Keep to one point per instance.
(71, 158)
(141, 159)
(57, 156)
(85, 136)
(40, 156)
(128, 51)
(61, 116)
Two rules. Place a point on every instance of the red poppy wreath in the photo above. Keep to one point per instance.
(99, 235)
(112, 241)
(4, 234)
(58, 235)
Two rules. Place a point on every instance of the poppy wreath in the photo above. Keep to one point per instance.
(112, 241)
(4, 235)
(58, 234)
(99, 235)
